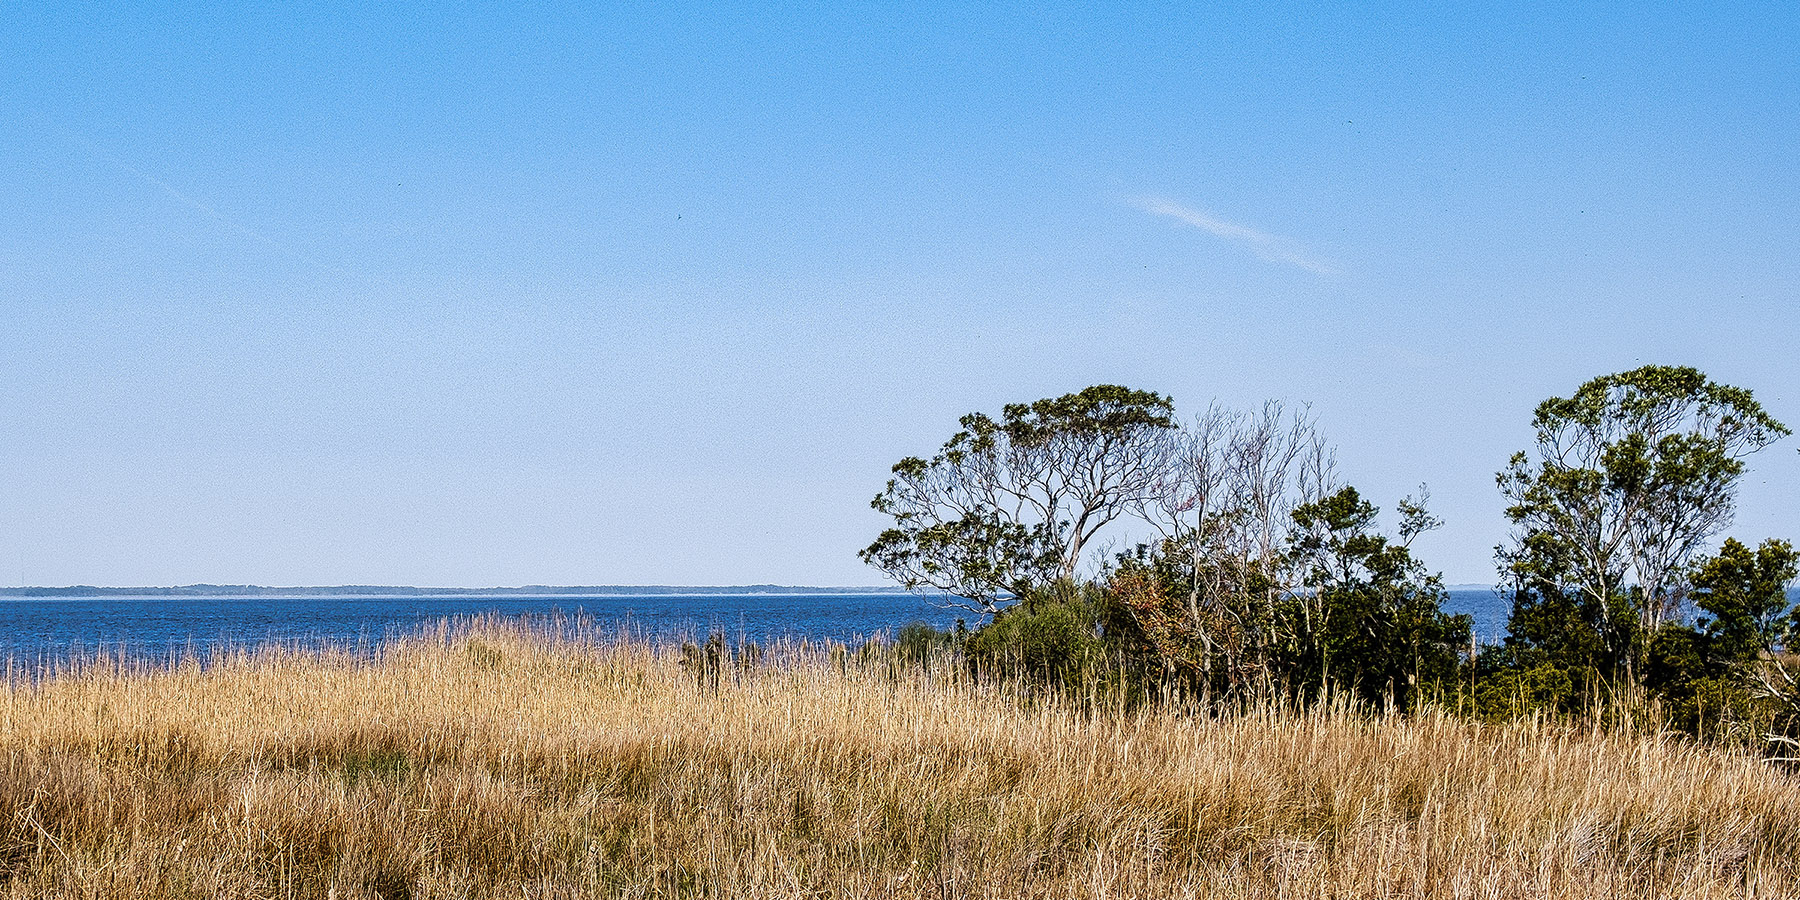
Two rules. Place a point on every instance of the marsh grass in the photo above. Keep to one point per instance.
(494, 760)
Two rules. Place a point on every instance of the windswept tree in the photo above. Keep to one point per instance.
(1009, 505)
(1224, 509)
(1630, 476)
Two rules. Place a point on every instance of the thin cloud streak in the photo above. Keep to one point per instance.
(1272, 248)
(206, 209)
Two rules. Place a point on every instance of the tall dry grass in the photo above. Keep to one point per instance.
(497, 761)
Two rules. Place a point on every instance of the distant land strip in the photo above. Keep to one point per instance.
(366, 590)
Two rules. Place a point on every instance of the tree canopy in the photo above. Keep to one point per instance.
(1010, 504)
(1628, 479)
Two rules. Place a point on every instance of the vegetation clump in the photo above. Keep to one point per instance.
(1266, 700)
(1269, 577)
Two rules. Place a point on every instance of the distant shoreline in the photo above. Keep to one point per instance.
(529, 590)
(363, 590)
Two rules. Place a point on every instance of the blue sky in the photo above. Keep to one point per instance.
(657, 294)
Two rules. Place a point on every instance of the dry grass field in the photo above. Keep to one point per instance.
(495, 761)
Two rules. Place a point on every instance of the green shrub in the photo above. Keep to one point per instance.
(1509, 693)
(917, 643)
(1722, 709)
(1068, 637)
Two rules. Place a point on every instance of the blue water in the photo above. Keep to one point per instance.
(1488, 608)
(34, 630)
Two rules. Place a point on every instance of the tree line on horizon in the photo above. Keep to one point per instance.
(1268, 575)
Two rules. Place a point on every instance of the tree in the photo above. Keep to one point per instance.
(1630, 477)
(1207, 594)
(1353, 611)
(1744, 596)
(1369, 618)
(1708, 674)
(1228, 492)
(1007, 506)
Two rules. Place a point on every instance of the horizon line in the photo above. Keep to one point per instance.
(214, 588)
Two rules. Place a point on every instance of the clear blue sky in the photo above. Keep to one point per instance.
(657, 294)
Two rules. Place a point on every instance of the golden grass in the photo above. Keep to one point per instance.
(498, 762)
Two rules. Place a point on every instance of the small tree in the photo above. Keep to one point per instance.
(1708, 674)
(1744, 596)
(1368, 618)
(1007, 506)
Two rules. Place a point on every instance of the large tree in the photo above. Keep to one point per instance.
(1008, 505)
(1630, 476)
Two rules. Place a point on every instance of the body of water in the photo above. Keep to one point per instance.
(39, 629)
(1488, 608)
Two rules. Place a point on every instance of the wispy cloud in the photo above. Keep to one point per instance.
(200, 207)
(1271, 247)
(204, 208)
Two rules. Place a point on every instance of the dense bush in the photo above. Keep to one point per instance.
(1070, 637)
(1504, 688)
(918, 643)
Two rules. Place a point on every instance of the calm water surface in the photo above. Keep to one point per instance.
(40, 629)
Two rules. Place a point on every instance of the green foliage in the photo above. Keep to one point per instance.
(1215, 637)
(1509, 693)
(1271, 578)
(1007, 506)
(1101, 413)
(979, 556)
(1713, 677)
(1744, 594)
(1724, 709)
(1068, 637)
(1629, 477)
(1369, 619)
(1677, 657)
(1571, 630)
(1348, 611)
(1698, 696)
(1706, 675)
(917, 643)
